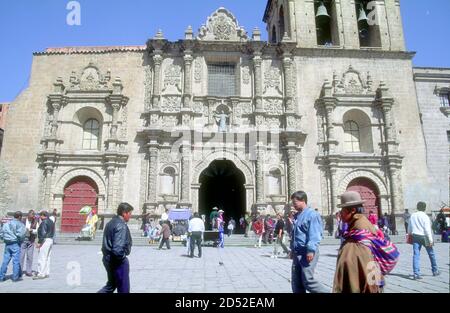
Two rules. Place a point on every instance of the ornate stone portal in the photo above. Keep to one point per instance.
(240, 128)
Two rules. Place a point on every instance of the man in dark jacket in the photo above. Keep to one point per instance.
(116, 247)
(46, 232)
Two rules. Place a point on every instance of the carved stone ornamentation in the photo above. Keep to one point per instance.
(291, 122)
(273, 106)
(272, 79)
(222, 25)
(273, 122)
(148, 88)
(198, 107)
(172, 77)
(171, 105)
(246, 75)
(169, 121)
(351, 83)
(198, 71)
(90, 79)
(123, 129)
(260, 120)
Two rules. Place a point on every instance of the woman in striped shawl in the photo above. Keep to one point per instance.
(364, 257)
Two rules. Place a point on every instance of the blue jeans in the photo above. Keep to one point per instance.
(418, 242)
(12, 251)
(303, 274)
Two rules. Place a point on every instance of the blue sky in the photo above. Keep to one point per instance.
(27, 26)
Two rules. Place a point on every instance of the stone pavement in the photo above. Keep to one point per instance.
(244, 269)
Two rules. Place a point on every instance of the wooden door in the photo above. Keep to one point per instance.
(79, 192)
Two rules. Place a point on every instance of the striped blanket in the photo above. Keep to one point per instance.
(385, 253)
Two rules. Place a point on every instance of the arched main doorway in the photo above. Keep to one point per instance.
(222, 186)
(79, 192)
(369, 193)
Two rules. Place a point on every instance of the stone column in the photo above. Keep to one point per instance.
(386, 103)
(157, 61)
(257, 63)
(395, 176)
(188, 59)
(48, 186)
(152, 172)
(185, 173)
(259, 167)
(110, 189)
(291, 153)
(115, 118)
(329, 110)
(288, 81)
(332, 173)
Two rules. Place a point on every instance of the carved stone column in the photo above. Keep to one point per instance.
(288, 81)
(329, 113)
(110, 189)
(152, 172)
(396, 194)
(185, 174)
(48, 186)
(257, 63)
(332, 173)
(259, 167)
(188, 59)
(291, 153)
(386, 103)
(115, 118)
(157, 61)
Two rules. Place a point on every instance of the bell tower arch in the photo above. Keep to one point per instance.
(356, 24)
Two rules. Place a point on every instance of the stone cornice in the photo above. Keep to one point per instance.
(353, 53)
(90, 50)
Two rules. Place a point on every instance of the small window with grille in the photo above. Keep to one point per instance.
(445, 100)
(222, 79)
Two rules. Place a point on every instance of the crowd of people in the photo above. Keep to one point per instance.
(365, 255)
(22, 237)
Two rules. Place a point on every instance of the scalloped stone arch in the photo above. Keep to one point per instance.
(69, 175)
(366, 174)
(224, 155)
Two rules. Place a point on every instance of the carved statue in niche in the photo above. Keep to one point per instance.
(221, 115)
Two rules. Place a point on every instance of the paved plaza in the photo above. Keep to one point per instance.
(244, 269)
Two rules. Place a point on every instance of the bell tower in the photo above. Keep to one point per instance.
(344, 24)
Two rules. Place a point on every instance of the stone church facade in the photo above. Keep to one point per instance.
(322, 107)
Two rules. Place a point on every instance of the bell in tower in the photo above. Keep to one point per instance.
(324, 23)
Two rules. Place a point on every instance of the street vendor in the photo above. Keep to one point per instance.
(92, 220)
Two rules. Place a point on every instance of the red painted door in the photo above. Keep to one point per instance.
(79, 192)
(369, 193)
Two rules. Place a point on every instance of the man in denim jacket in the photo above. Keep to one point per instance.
(306, 237)
(13, 234)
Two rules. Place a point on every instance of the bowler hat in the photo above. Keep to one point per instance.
(350, 199)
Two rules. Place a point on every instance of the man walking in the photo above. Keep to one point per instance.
(46, 232)
(116, 247)
(27, 247)
(165, 235)
(406, 218)
(196, 229)
(12, 233)
(420, 229)
(279, 237)
(306, 237)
